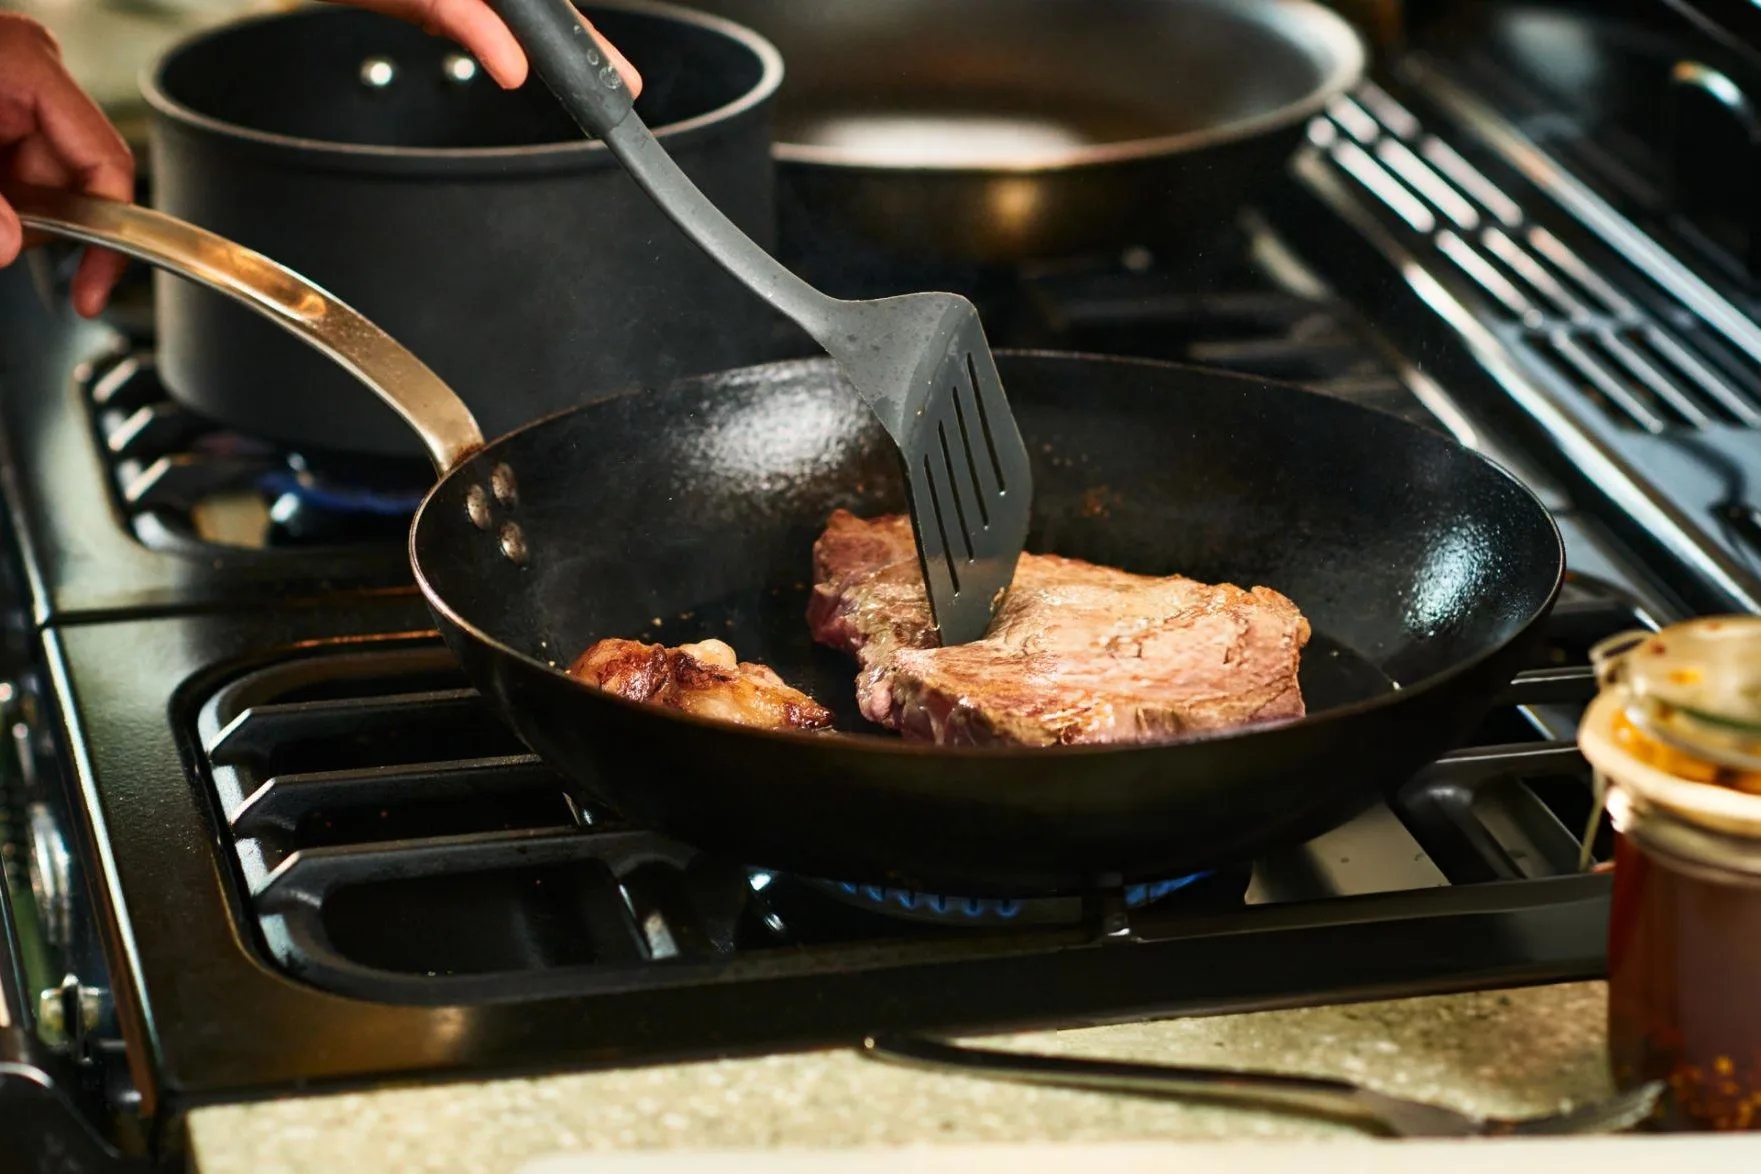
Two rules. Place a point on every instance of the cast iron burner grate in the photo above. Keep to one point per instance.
(394, 842)
(1476, 250)
(185, 482)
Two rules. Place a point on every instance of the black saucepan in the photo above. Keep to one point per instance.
(689, 512)
(477, 224)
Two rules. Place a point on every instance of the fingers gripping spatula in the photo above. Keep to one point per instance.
(920, 361)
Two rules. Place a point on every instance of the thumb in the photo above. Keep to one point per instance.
(11, 234)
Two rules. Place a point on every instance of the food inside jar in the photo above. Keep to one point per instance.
(1672, 760)
(1684, 942)
(1684, 951)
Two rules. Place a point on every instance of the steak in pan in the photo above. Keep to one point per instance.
(1078, 653)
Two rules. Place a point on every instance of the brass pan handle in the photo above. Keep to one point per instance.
(446, 426)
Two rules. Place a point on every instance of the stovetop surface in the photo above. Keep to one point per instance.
(370, 872)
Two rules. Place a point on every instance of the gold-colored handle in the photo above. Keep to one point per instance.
(440, 418)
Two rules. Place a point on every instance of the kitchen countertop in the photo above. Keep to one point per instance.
(1510, 1053)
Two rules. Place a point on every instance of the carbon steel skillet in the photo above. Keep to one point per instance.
(689, 512)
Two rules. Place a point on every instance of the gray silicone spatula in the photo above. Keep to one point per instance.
(920, 361)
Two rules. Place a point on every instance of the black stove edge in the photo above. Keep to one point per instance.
(43, 1127)
(1565, 913)
(892, 999)
(1230, 971)
(37, 1109)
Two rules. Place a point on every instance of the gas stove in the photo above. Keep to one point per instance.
(261, 836)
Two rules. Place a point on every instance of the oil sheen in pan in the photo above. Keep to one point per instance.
(904, 130)
(770, 627)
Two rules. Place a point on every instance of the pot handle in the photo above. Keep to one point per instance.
(428, 405)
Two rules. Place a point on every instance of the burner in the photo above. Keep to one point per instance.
(183, 479)
(912, 905)
(332, 498)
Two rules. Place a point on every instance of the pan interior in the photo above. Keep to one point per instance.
(1002, 82)
(690, 513)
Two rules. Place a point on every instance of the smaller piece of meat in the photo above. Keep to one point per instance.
(704, 679)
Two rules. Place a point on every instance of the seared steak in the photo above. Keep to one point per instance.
(705, 679)
(1078, 653)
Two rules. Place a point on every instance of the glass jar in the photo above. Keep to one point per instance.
(1675, 739)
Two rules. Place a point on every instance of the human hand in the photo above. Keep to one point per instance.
(476, 27)
(53, 135)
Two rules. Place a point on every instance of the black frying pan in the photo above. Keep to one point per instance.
(690, 512)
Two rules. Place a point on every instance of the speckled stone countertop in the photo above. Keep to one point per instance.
(1513, 1053)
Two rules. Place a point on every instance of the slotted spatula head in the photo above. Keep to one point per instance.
(922, 363)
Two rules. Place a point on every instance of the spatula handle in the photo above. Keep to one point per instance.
(579, 72)
(1316, 1096)
(571, 61)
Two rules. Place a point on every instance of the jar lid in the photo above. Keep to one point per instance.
(1705, 805)
(1694, 686)
(1688, 847)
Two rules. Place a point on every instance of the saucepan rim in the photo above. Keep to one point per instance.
(575, 150)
